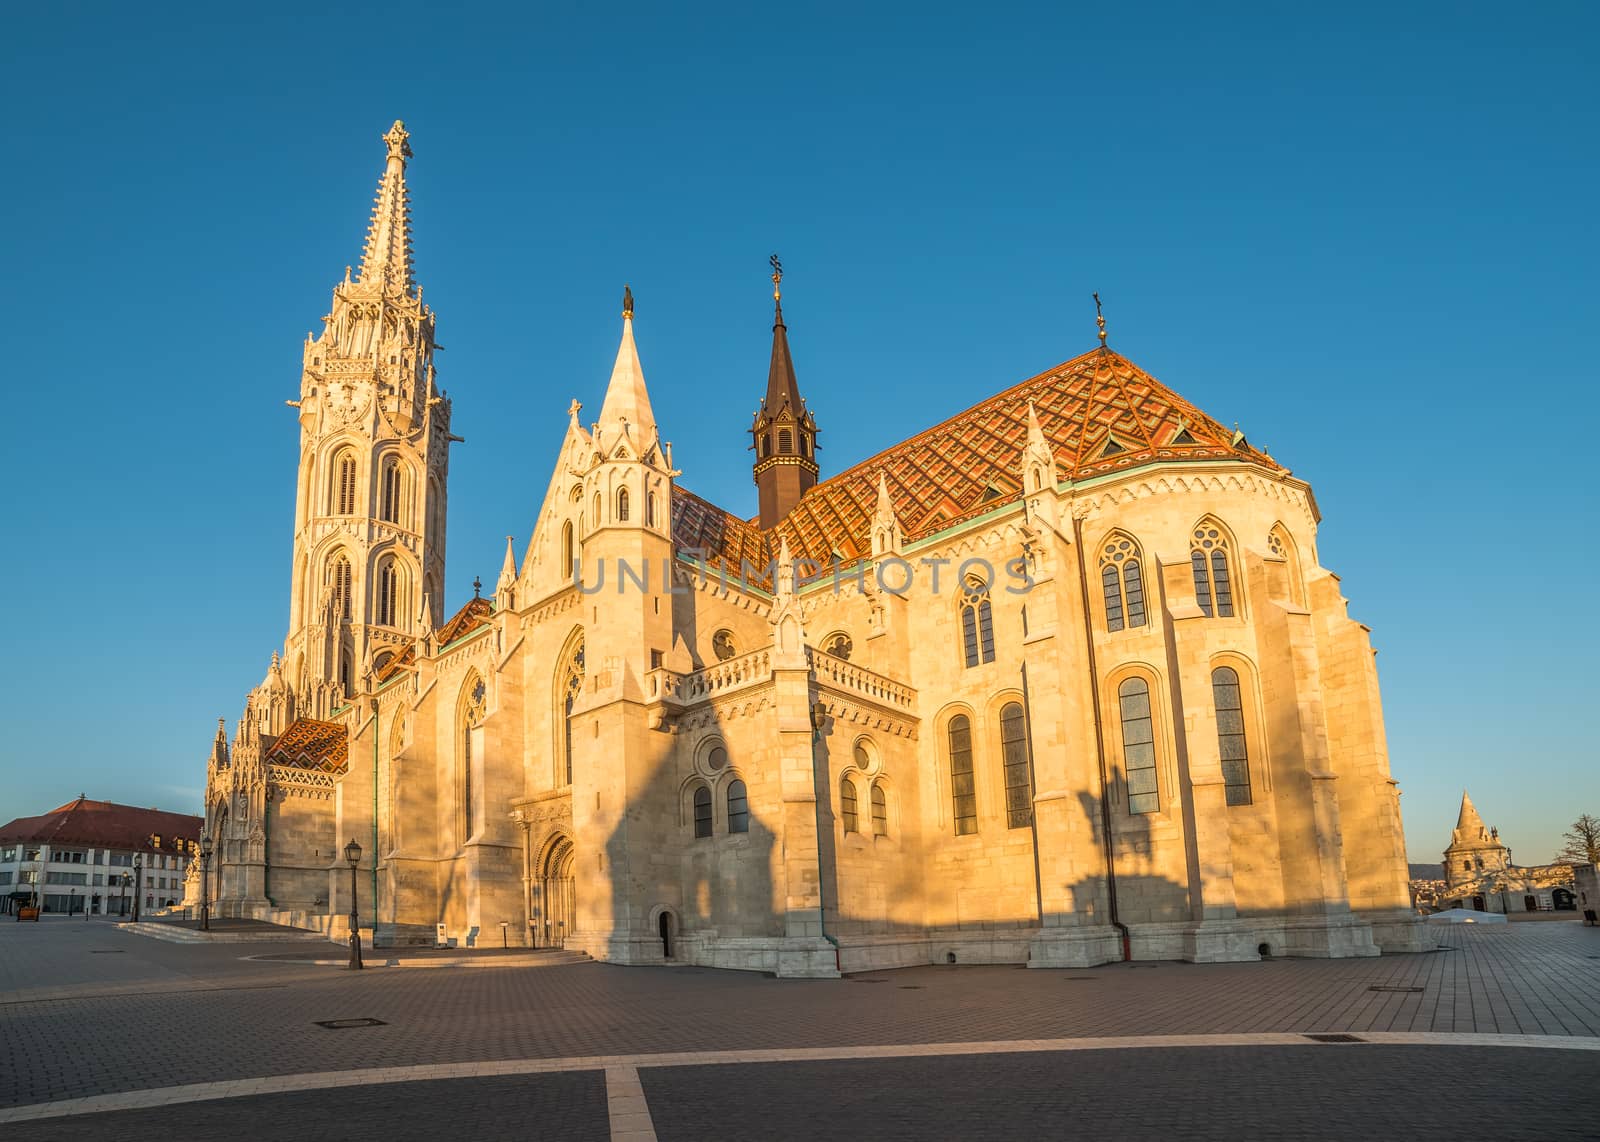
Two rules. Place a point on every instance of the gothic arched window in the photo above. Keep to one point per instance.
(785, 440)
(738, 807)
(388, 600)
(839, 645)
(474, 701)
(702, 811)
(650, 510)
(389, 498)
(622, 505)
(1014, 753)
(723, 646)
(1231, 744)
(848, 815)
(570, 686)
(1122, 579)
(963, 788)
(1139, 746)
(343, 492)
(339, 578)
(566, 549)
(977, 622)
(1208, 557)
(1280, 543)
(880, 810)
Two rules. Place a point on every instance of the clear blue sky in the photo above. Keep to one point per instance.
(1367, 233)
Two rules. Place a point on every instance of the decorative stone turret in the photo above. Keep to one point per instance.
(784, 433)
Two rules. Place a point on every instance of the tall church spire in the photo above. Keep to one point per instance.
(386, 257)
(626, 414)
(784, 431)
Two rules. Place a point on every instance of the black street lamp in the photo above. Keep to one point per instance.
(127, 879)
(205, 883)
(138, 884)
(352, 853)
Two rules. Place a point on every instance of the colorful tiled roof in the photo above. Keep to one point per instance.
(468, 619)
(104, 825)
(311, 744)
(1100, 412)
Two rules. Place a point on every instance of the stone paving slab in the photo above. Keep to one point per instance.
(216, 1016)
(1334, 1092)
(565, 1106)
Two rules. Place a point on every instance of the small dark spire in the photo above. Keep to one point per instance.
(627, 301)
(477, 587)
(1100, 320)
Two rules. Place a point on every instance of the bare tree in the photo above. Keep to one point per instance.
(1581, 843)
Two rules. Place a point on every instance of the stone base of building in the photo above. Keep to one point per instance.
(1401, 930)
(788, 957)
(1075, 947)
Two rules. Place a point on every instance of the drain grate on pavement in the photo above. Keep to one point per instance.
(1336, 1037)
(345, 1024)
(106, 951)
(1394, 987)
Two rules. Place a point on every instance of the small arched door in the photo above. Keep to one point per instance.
(557, 898)
(1562, 900)
(664, 924)
(1478, 904)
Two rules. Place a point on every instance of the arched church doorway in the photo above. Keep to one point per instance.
(665, 924)
(1562, 900)
(558, 902)
(1478, 904)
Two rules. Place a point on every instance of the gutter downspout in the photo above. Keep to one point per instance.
(818, 716)
(1100, 745)
(266, 849)
(1033, 784)
(374, 822)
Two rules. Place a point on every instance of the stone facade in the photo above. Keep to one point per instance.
(1057, 681)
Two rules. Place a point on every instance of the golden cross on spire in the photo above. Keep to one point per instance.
(1100, 320)
(627, 301)
(777, 277)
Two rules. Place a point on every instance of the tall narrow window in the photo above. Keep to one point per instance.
(738, 807)
(963, 790)
(1231, 744)
(344, 484)
(650, 510)
(880, 810)
(785, 440)
(1208, 558)
(474, 699)
(388, 591)
(571, 686)
(847, 805)
(622, 505)
(389, 502)
(1280, 544)
(702, 811)
(1139, 746)
(566, 549)
(977, 623)
(1014, 752)
(339, 579)
(1122, 580)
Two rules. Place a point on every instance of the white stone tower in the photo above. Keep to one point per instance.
(374, 456)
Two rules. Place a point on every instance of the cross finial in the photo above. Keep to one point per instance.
(1100, 320)
(477, 587)
(399, 148)
(627, 302)
(777, 277)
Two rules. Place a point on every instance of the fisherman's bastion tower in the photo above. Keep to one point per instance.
(1058, 681)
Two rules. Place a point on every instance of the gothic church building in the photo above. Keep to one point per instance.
(1059, 681)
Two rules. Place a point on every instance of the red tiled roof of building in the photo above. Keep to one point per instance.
(469, 618)
(104, 825)
(310, 744)
(1100, 413)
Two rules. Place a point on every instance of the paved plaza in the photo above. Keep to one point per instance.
(107, 1033)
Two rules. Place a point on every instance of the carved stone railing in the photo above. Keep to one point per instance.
(845, 676)
(738, 673)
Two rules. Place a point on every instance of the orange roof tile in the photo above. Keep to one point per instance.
(310, 744)
(104, 824)
(1100, 412)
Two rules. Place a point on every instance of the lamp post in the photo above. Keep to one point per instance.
(352, 853)
(138, 884)
(205, 883)
(127, 879)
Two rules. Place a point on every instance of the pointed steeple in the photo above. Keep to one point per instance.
(1469, 825)
(626, 414)
(505, 587)
(886, 535)
(219, 745)
(387, 254)
(783, 430)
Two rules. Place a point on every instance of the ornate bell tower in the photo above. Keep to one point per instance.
(374, 456)
(784, 432)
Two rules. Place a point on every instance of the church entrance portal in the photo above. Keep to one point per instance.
(664, 925)
(1562, 900)
(557, 904)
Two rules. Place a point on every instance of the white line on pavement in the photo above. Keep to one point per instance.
(626, 1107)
(630, 1064)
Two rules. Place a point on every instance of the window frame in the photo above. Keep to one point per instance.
(1233, 735)
(1014, 765)
(1136, 800)
(963, 793)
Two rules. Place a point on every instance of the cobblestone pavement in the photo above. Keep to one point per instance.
(87, 1009)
